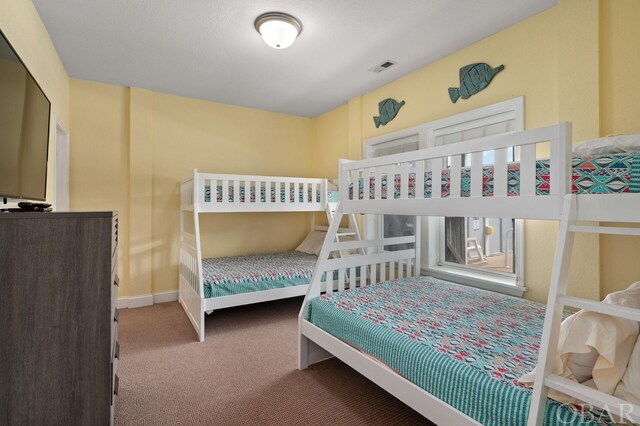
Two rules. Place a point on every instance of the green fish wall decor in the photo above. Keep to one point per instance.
(473, 78)
(388, 109)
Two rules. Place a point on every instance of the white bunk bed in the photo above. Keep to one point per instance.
(367, 178)
(225, 193)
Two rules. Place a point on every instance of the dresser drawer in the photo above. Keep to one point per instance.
(114, 235)
(115, 381)
(114, 330)
(114, 295)
(114, 263)
(115, 350)
(114, 337)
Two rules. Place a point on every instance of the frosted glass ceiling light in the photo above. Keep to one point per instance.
(278, 30)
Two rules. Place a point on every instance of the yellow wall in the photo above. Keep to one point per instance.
(330, 141)
(132, 147)
(99, 154)
(219, 138)
(620, 113)
(21, 24)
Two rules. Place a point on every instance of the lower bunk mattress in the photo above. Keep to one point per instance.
(466, 346)
(227, 276)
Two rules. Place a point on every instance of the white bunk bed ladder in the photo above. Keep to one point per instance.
(332, 206)
(352, 231)
(558, 299)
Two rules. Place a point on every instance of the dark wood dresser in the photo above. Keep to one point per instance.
(58, 318)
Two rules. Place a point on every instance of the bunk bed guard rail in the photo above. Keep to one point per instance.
(493, 176)
(209, 192)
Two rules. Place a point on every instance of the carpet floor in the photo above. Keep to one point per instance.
(245, 373)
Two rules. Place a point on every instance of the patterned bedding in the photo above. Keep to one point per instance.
(602, 174)
(263, 194)
(463, 345)
(225, 276)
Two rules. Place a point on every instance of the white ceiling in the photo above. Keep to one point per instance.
(209, 49)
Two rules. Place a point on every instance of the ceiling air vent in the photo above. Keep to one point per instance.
(383, 66)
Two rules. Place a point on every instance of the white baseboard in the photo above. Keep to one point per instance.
(165, 296)
(147, 299)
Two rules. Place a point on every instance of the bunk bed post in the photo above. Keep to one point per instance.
(308, 351)
(417, 232)
(196, 226)
(553, 316)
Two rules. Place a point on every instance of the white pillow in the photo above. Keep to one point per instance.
(581, 365)
(608, 145)
(312, 244)
(629, 297)
(611, 338)
(629, 387)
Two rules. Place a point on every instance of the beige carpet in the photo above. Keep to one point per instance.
(243, 374)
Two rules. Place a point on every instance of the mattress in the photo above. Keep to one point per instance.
(463, 345)
(226, 276)
(263, 194)
(602, 174)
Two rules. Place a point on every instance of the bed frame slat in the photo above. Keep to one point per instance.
(236, 192)
(500, 172)
(455, 176)
(477, 167)
(528, 170)
(366, 184)
(419, 181)
(225, 191)
(404, 181)
(435, 166)
(363, 276)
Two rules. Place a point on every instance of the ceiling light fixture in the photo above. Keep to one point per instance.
(277, 29)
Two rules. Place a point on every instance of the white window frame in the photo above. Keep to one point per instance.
(373, 228)
(431, 239)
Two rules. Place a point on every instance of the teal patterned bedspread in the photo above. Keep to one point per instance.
(465, 346)
(263, 194)
(602, 174)
(226, 276)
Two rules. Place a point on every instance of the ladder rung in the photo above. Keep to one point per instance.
(345, 234)
(600, 307)
(612, 404)
(605, 230)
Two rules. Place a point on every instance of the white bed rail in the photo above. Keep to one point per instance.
(429, 194)
(359, 270)
(211, 192)
(190, 286)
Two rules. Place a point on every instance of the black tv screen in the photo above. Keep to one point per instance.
(24, 129)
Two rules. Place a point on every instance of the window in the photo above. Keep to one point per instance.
(392, 225)
(480, 251)
(484, 252)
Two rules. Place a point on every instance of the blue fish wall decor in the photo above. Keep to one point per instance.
(473, 78)
(388, 110)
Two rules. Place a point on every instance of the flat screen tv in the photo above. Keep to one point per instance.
(24, 129)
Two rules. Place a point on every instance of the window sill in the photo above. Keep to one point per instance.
(498, 284)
